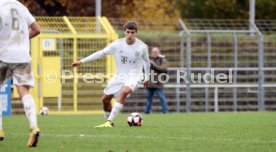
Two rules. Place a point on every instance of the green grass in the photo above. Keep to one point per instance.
(201, 132)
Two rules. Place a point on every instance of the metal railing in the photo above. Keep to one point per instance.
(215, 86)
(226, 28)
(203, 45)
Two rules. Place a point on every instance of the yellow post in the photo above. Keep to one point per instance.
(71, 27)
(35, 50)
(111, 36)
(40, 76)
(75, 76)
(111, 32)
(75, 30)
(75, 84)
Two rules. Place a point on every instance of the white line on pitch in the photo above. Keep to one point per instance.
(188, 138)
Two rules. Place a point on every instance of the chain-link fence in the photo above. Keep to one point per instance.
(195, 47)
(63, 40)
(226, 47)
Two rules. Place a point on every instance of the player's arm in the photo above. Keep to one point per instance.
(146, 64)
(33, 25)
(106, 51)
(90, 58)
(34, 30)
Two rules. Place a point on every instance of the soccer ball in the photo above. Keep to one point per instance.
(135, 119)
(44, 111)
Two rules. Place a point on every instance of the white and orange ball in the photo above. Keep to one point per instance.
(135, 119)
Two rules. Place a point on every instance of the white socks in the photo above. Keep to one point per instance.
(29, 107)
(106, 115)
(1, 110)
(115, 111)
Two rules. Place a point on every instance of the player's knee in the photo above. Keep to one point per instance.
(22, 90)
(106, 100)
(125, 92)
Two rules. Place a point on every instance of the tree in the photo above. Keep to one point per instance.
(110, 8)
(230, 9)
(148, 9)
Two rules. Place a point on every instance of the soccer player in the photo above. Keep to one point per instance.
(131, 55)
(17, 27)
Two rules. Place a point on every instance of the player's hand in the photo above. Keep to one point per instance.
(76, 64)
(146, 84)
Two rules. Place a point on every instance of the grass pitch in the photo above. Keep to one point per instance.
(159, 133)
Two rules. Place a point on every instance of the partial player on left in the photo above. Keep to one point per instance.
(17, 27)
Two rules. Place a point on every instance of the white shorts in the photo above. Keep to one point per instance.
(114, 86)
(21, 73)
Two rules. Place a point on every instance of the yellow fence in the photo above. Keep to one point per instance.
(62, 41)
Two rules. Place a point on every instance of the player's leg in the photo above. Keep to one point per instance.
(1, 121)
(128, 88)
(29, 105)
(121, 92)
(162, 98)
(118, 106)
(30, 111)
(1, 110)
(4, 75)
(150, 93)
(1, 129)
(107, 106)
(23, 79)
(125, 91)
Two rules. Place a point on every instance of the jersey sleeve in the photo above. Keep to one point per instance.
(29, 17)
(109, 50)
(106, 51)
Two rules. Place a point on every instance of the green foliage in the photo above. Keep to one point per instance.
(266, 9)
(147, 9)
(221, 9)
(110, 8)
(210, 9)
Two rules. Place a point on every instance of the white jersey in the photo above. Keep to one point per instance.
(15, 20)
(130, 59)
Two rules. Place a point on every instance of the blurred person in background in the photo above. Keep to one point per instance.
(158, 66)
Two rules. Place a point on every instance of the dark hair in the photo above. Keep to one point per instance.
(130, 25)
